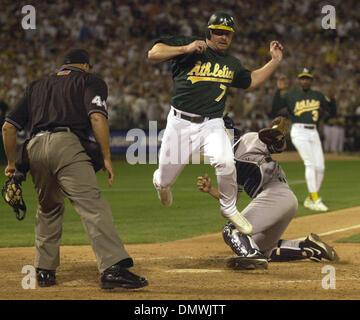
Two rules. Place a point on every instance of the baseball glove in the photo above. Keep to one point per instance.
(274, 137)
(12, 194)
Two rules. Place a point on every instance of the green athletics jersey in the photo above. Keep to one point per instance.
(303, 106)
(201, 80)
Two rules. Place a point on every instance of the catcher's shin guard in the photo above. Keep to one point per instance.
(248, 256)
(284, 253)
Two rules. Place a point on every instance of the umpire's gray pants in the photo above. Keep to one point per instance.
(60, 168)
(270, 213)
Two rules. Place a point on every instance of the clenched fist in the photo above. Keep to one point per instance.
(198, 46)
(204, 183)
(276, 50)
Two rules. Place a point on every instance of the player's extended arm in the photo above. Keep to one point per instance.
(204, 185)
(9, 138)
(161, 52)
(100, 128)
(259, 76)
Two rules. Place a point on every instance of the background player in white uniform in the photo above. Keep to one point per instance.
(202, 73)
(273, 207)
(305, 107)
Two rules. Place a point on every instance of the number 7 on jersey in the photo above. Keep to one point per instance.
(223, 88)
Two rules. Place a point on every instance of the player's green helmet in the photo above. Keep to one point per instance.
(222, 21)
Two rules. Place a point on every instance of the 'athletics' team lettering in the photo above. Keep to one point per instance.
(204, 72)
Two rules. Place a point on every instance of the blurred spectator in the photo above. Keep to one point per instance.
(118, 35)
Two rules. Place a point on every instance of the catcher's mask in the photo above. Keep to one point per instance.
(12, 194)
(221, 21)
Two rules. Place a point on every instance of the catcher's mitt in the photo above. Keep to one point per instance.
(274, 137)
(12, 194)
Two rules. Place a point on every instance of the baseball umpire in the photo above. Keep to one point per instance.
(203, 71)
(273, 204)
(305, 107)
(60, 111)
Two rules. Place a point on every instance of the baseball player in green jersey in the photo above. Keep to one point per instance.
(305, 107)
(203, 72)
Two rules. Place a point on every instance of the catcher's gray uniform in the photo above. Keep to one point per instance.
(274, 205)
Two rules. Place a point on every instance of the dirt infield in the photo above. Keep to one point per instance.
(195, 269)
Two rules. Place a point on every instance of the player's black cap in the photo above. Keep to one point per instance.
(305, 72)
(76, 56)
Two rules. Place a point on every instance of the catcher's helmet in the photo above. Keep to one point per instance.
(220, 20)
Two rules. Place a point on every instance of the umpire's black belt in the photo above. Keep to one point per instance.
(52, 130)
(199, 119)
(59, 129)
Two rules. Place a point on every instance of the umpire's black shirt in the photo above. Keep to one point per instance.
(64, 99)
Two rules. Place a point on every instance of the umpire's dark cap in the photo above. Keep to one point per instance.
(76, 56)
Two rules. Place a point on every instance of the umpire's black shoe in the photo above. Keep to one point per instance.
(118, 276)
(45, 278)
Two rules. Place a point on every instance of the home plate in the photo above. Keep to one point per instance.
(194, 270)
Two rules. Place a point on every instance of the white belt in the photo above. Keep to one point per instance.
(186, 113)
(305, 125)
(189, 116)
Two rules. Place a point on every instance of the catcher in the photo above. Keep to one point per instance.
(273, 206)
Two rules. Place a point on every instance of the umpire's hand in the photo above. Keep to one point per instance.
(10, 170)
(204, 183)
(109, 168)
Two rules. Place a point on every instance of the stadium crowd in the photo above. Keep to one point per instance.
(118, 35)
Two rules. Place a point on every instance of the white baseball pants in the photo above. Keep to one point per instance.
(308, 144)
(182, 139)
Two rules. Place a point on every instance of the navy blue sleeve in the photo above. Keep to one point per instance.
(19, 114)
(96, 93)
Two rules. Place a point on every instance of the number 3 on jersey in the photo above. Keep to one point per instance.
(98, 102)
(223, 88)
(315, 115)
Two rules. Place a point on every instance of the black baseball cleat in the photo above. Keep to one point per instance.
(250, 262)
(117, 276)
(45, 278)
(249, 257)
(321, 249)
